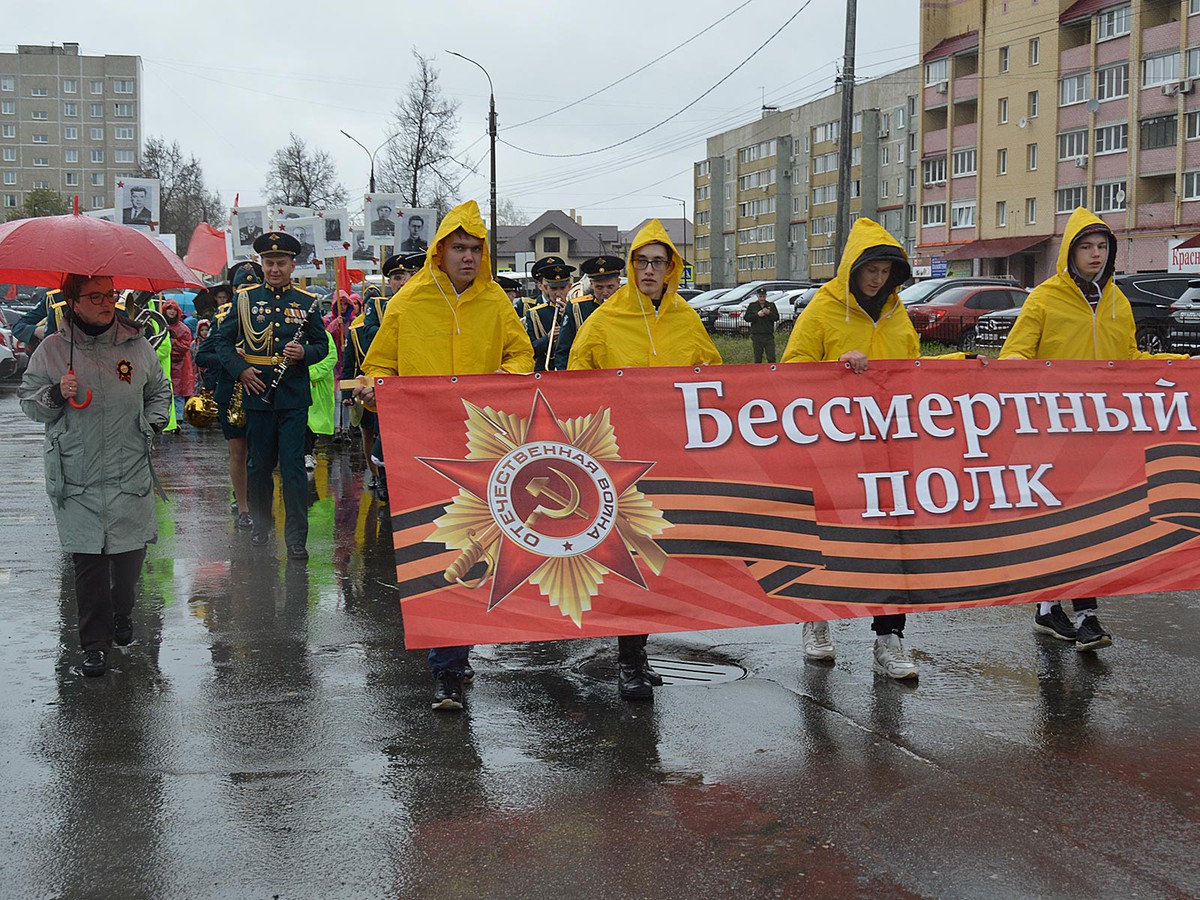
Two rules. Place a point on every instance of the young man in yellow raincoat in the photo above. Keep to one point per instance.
(1078, 313)
(856, 317)
(645, 323)
(451, 318)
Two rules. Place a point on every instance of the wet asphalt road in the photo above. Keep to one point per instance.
(268, 736)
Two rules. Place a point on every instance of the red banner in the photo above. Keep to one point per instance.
(582, 504)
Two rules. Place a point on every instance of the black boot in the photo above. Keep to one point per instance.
(632, 681)
(651, 675)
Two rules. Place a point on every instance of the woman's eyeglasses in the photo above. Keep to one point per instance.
(100, 297)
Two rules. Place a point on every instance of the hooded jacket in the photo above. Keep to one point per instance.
(97, 459)
(183, 366)
(834, 322)
(1056, 322)
(428, 330)
(627, 331)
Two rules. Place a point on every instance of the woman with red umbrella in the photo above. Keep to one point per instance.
(99, 389)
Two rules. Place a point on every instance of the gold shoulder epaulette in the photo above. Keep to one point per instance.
(301, 290)
(242, 288)
(582, 298)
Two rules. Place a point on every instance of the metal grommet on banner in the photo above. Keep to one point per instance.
(1110, 364)
(774, 367)
(537, 376)
(620, 372)
(454, 379)
(1047, 364)
(378, 382)
(697, 370)
(917, 363)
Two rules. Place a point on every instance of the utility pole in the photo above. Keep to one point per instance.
(846, 137)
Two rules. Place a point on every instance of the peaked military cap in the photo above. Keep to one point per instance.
(246, 272)
(602, 265)
(403, 262)
(552, 268)
(276, 243)
(507, 283)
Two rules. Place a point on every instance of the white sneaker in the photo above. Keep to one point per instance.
(310, 462)
(891, 659)
(817, 643)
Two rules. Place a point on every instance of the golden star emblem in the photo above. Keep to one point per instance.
(549, 502)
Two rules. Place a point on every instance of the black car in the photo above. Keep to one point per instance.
(1150, 296)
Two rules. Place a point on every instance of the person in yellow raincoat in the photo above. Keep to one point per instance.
(451, 318)
(1078, 313)
(645, 323)
(857, 317)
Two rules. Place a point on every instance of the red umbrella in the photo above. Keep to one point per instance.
(44, 250)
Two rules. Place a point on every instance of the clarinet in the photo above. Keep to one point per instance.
(286, 364)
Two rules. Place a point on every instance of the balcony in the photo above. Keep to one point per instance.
(966, 88)
(1111, 165)
(934, 97)
(1160, 38)
(935, 142)
(1155, 215)
(1113, 51)
(1159, 161)
(964, 135)
(1153, 102)
(1075, 58)
(1073, 116)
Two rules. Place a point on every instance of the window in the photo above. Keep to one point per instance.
(98, 201)
(70, 110)
(124, 110)
(704, 217)
(97, 86)
(900, 187)
(1072, 144)
(70, 156)
(41, 184)
(937, 71)
(10, 131)
(821, 256)
(899, 153)
(41, 161)
(935, 170)
(1033, 105)
(8, 107)
(912, 143)
(1158, 132)
(962, 214)
(703, 191)
(40, 115)
(1031, 157)
(1160, 69)
(1001, 214)
(123, 86)
(98, 157)
(1035, 51)
(911, 212)
(1112, 139)
(963, 162)
(1112, 82)
(703, 169)
(10, 154)
(8, 83)
(1067, 200)
(96, 110)
(883, 188)
(10, 177)
(97, 179)
(933, 214)
(71, 133)
(1031, 210)
(1110, 197)
(824, 193)
(1192, 122)
(550, 245)
(10, 199)
(1112, 23)
(1003, 59)
(899, 117)
(1193, 7)
(123, 133)
(856, 124)
(41, 138)
(1072, 89)
(824, 225)
(70, 86)
(1002, 161)
(97, 134)
(1002, 116)
(39, 92)
(856, 156)
(765, 205)
(1193, 62)
(761, 178)
(885, 155)
(1191, 185)
(830, 131)
(71, 179)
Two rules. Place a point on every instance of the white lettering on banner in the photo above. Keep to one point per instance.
(1027, 488)
(974, 417)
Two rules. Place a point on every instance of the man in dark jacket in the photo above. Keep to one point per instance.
(762, 317)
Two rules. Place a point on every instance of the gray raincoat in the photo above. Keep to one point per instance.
(98, 459)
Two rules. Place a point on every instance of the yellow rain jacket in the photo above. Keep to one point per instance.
(1057, 322)
(833, 323)
(427, 330)
(627, 331)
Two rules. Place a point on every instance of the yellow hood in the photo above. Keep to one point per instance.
(1081, 219)
(654, 233)
(467, 217)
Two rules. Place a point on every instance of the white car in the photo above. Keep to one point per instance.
(12, 364)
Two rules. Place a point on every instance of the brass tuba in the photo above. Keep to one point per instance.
(201, 409)
(237, 412)
(151, 321)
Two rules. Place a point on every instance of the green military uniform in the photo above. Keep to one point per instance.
(48, 311)
(573, 317)
(541, 319)
(264, 319)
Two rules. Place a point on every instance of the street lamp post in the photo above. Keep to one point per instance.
(492, 136)
(371, 153)
(682, 203)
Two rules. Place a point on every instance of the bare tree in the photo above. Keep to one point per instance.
(299, 176)
(40, 202)
(508, 213)
(420, 164)
(185, 200)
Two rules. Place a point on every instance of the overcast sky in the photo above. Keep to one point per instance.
(229, 80)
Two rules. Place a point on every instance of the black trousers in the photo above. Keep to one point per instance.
(277, 436)
(763, 343)
(888, 624)
(105, 587)
(630, 647)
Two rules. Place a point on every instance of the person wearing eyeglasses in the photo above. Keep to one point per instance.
(97, 454)
(645, 323)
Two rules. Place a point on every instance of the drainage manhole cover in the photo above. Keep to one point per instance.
(673, 671)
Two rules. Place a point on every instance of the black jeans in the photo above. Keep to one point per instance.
(888, 624)
(630, 647)
(105, 587)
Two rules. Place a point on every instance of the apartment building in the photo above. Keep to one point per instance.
(68, 122)
(766, 193)
(1030, 109)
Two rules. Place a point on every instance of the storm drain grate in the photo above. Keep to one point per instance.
(673, 671)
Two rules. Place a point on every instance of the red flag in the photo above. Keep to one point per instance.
(357, 276)
(206, 250)
(343, 275)
(12, 292)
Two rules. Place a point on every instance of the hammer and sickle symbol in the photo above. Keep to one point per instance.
(567, 506)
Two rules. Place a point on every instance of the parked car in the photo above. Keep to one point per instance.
(801, 298)
(1184, 333)
(731, 318)
(689, 293)
(924, 291)
(12, 365)
(708, 298)
(1150, 294)
(951, 315)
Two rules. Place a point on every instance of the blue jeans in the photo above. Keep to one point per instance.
(448, 659)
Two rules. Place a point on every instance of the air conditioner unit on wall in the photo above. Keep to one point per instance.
(941, 87)
(1169, 90)
(1185, 86)
(1081, 162)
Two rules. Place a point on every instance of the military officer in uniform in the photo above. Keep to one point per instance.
(268, 341)
(553, 278)
(241, 275)
(41, 321)
(604, 275)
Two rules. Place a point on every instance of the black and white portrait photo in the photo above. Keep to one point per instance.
(309, 231)
(250, 224)
(417, 226)
(380, 214)
(337, 233)
(137, 199)
(360, 251)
